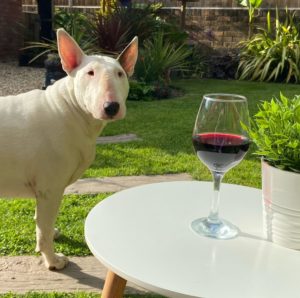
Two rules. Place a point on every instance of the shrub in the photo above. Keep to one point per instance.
(140, 91)
(197, 61)
(272, 55)
(159, 57)
(73, 22)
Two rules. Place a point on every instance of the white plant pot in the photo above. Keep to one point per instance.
(281, 204)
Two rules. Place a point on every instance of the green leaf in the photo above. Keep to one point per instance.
(297, 114)
(256, 3)
(284, 99)
(243, 2)
(268, 22)
(293, 144)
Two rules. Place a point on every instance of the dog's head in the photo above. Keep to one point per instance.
(100, 83)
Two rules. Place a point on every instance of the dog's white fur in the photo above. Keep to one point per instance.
(48, 138)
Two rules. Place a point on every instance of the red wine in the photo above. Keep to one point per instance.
(220, 151)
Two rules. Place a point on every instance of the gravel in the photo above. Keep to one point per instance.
(15, 79)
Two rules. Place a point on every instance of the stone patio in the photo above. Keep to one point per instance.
(27, 274)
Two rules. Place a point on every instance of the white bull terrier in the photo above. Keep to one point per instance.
(48, 138)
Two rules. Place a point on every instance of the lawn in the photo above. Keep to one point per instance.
(165, 128)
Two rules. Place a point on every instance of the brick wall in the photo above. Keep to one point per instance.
(217, 28)
(218, 23)
(11, 38)
(223, 28)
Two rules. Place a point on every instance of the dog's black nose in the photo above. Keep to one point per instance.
(111, 108)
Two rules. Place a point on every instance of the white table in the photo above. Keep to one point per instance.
(143, 235)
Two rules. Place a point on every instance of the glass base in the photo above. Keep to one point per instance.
(220, 230)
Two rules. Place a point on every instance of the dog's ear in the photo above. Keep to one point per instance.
(69, 51)
(128, 57)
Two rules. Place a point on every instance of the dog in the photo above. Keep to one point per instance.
(48, 137)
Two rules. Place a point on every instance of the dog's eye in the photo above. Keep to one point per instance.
(120, 74)
(91, 73)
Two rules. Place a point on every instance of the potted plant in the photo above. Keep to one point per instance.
(276, 132)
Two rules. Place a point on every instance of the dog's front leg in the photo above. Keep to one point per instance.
(46, 213)
(55, 236)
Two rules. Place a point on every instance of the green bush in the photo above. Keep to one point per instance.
(197, 61)
(72, 22)
(140, 91)
(272, 54)
(276, 132)
(159, 57)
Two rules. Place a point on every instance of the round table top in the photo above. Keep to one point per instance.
(143, 234)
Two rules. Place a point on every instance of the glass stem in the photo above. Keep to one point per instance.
(213, 216)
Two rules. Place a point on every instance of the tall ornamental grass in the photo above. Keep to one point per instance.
(273, 54)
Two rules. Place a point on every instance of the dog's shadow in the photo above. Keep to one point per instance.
(74, 271)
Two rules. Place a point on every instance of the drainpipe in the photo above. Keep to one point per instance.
(45, 11)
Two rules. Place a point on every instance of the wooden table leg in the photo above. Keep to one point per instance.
(114, 286)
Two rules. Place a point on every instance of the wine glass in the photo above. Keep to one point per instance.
(220, 142)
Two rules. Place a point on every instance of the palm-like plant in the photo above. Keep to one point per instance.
(159, 57)
(272, 55)
(72, 22)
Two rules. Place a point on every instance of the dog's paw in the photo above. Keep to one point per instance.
(58, 262)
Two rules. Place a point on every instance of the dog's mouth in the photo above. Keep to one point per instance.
(119, 116)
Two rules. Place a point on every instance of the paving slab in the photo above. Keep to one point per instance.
(113, 184)
(118, 139)
(28, 274)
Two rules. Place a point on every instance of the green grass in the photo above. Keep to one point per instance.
(165, 128)
(20, 212)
